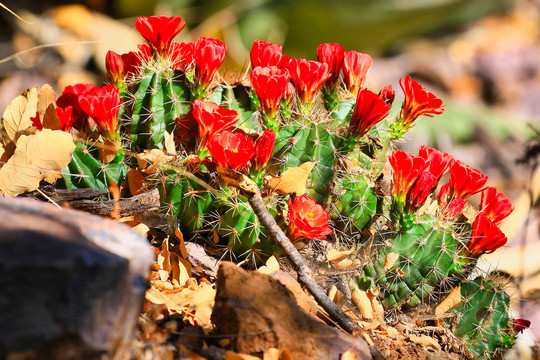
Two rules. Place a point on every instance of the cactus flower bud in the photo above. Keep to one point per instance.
(439, 163)
(102, 105)
(331, 54)
(159, 31)
(232, 150)
(407, 168)
(265, 54)
(369, 109)
(420, 190)
(208, 54)
(495, 205)
(115, 66)
(307, 220)
(264, 147)
(270, 84)
(212, 118)
(388, 94)
(519, 325)
(355, 68)
(486, 237)
(418, 101)
(307, 76)
(181, 55)
(452, 210)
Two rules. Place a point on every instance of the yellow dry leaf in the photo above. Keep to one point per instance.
(449, 302)
(46, 97)
(336, 296)
(276, 354)
(157, 297)
(150, 160)
(230, 355)
(137, 182)
(182, 245)
(390, 260)
(392, 332)
(271, 266)
(17, 115)
(426, 341)
(292, 181)
(137, 226)
(378, 310)
(170, 147)
(40, 156)
(336, 256)
(197, 305)
(363, 303)
(108, 150)
(345, 264)
(181, 270)
(50, 120)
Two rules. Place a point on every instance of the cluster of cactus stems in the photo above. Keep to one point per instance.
(297, 115)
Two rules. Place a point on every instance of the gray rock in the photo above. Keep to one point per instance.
(71, 284)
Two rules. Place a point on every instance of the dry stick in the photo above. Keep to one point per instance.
(248, 187)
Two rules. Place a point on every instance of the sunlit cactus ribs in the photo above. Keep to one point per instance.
(315, 141)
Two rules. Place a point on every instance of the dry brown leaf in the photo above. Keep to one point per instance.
(348, 355)
(292, 181)
(40, 156)
(198, 304)
(151, 160)
(336, 296)
(157, 297)
(392, 332)
(137, 226)
(378, 310)
(108, 150)
(449, 302)
(137, 182)
(17, 116)
(345, 264)
(46, 97)
(363, 303)
(170, 147)
(336, 256)
(270, 266)
(50, 120)
(230, 355)
(182, 244)
(390, 260)
(426, 341)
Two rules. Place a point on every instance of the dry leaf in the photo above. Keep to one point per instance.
(182, 245)
(345, 264)
(271, 266)
(390, 260)
(170, 147)
(392, 332)
(46, 98)
(17, 116)
(292, 181)
(378, 310)
(348, 355)
(50, 120)
(137, 182)
(336, 256)
(151, 160)
(108, 150)
(137, 226)
(336, 296)
(237, 179)
(449, 302)
(276, 354)
(230, 355)
(426, 341)
(363, 303)
(40, 156)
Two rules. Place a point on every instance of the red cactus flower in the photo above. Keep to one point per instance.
(102, 105)
(36, 121)
(229, 149)
(159, 31)
(70, 97)
(66, 118)
(439, 163)
(418, 101)
(212, 118)
(264, 147)
(355, 68)
(265, 54)
(115, 66)
(486, 237)
(495, 205)
(289, 93)
(453, 209)
(369, 109)
(270, 84)
(308, 77)
(307, 220)
(407, 168)
(464, 181)
(388, 94)
(519, 325)
(331, 54)
(181, 55)
(420, 190)
(208, 54)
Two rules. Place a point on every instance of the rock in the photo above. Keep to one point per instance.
(257, 312)
(72, 283)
